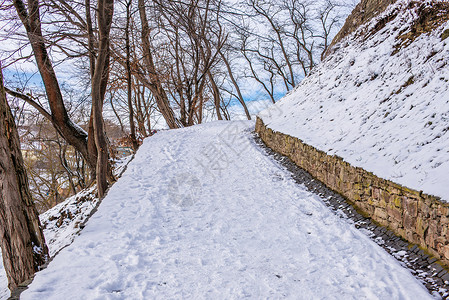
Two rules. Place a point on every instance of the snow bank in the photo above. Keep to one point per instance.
(380, 101)
(62, 223)
(4, 291)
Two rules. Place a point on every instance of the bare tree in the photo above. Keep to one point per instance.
(55, 170)
(185, 55)
(154, 81)
(268, 10)
(298, 33)
(239, 95)
(145, 107)
(188, 54)
(105, 10)
(73, 134)
(267, 86)
(129, 76)
(22, 240)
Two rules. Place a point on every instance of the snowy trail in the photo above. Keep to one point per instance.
(203, 213)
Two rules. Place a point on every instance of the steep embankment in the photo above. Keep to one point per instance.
(380, 100)
(63, 222)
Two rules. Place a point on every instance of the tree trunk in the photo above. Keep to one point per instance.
(129, 79)
(155, 84)
(22, 241)
(91, 147)
(216, 93)
(99, 83)
(60, 119)
(234, 82)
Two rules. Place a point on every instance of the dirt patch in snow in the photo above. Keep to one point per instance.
(365, 11)
(430, 17)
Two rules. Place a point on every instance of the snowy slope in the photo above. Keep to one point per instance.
(4, 291)
(377, 108)
(61, 225)
(203, 213)
(62, 222)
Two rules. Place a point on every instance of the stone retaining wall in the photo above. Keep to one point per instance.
(418, 218)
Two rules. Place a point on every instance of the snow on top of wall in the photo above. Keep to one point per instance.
(380, 101)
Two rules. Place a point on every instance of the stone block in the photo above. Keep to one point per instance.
(433, 213)
(423, 208)
(385, 196)
(356, 195)
(410, 236)
(376, 193)
(380, 213)
(382, 204)
(393, 188)
(432, 234)
(411, 206)
(434, 253)
(443, 210)
(411, 193)
(440, 242)
(409, 222)
(382, 222)
(401, 232)
(445, 231)
(394, 213)
(396, 200)
(421, 226)
(393, 225)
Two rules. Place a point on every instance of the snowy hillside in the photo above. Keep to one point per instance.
(204, 213)
(61, 225)
(381, 99)
(63, 222)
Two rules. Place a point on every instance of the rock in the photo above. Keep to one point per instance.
(446, 251)
(362, 13)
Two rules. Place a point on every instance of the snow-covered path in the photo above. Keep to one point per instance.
(203, 213)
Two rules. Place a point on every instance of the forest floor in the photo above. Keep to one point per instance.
(205, 213)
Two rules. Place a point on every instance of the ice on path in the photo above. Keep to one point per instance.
(203, 213)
